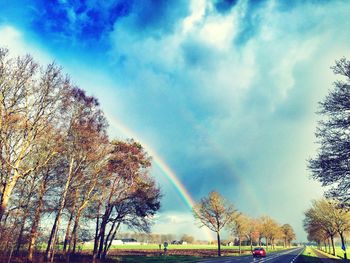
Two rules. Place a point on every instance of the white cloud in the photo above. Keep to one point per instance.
(13, 39)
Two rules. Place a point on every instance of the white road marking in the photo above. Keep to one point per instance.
(276, 256)
(297, 256)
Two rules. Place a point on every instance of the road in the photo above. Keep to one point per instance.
(286, 256)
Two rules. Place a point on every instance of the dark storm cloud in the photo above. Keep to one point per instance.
(157, 17)
(77, 20)
(88, 23)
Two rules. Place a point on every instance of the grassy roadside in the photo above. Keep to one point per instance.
(339, 253)
(308, 256)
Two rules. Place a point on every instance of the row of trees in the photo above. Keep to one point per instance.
(58, 166)
(216, 213)
(154, 238)
(325, 220)
(330, 217)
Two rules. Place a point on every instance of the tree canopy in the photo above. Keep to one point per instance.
(331, 164)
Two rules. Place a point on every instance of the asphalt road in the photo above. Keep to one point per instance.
(286, 256)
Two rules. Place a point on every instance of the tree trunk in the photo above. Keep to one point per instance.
(113, 236)
(343, 244)
(240, 244)
(102, 233)
(7, 190)
(35, 223)
(251, 243)
(50, 241)
(67, 237)
(110, 237)
(74, 232)
(20, 235)
(104, 223)
(267, 243)
(50, 251)
(219, 243)
(332, 239)
(94, 253)
(329, 245)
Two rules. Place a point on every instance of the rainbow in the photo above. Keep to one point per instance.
(161, 164)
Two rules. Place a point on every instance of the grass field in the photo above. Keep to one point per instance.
(188, 246)
(339, 252)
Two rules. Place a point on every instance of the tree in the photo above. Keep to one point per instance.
(57, 163)
(30, 98)
(331, 164)
(187, 238)
(240, 228)
(253, 231)
(130, 197)
(215, 213)
(269, 230)
(84, 130)
(287, 234)
(321, 217)
(340, 217)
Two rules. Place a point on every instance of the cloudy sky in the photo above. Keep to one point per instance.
(223, 91)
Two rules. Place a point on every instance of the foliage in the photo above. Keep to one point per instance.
(59, 169)
(214, 212)
(331, 164)
(324, 220)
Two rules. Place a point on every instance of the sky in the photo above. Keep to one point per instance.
(222, 92)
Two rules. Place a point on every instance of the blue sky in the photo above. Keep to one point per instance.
(224, 91)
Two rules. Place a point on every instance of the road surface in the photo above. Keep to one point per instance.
(286, 256)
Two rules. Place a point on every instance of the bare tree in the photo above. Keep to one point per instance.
(214, 212)
(331, 165)
(86, 127)
(29, 100)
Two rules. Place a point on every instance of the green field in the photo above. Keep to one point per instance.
(188, 246)
(340, 253)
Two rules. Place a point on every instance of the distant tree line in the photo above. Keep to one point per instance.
(217, 214)
(154, 238)
(59, 170)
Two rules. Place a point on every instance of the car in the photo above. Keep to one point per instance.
(259, 252)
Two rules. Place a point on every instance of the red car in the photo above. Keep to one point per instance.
(259, 252)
